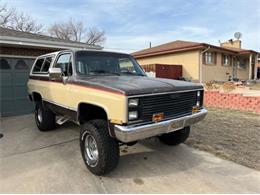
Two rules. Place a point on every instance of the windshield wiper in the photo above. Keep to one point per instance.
(104, 72)
(132, 73)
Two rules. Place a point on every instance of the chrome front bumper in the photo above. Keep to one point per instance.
(133, 133)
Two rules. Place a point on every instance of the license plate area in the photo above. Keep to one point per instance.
(176, 125)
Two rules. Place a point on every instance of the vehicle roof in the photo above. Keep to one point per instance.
(76, 50)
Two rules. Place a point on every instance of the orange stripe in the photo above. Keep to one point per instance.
(80, 85)
(106, 90)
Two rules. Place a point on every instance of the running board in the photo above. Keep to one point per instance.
(62, 120)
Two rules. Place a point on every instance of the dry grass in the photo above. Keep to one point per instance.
(229, 134)
(228, 86)
(255, 86)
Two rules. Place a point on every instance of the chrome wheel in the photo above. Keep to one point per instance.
(91, 150)
(39, 115)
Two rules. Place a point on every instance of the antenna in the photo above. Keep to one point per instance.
(238, 35)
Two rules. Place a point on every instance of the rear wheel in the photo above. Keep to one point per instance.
(176, 137)
(99, 151)
(44, 118)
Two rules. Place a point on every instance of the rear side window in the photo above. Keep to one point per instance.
(46, 65)
(38, 65)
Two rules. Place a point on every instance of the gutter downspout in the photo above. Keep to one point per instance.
(200, 61)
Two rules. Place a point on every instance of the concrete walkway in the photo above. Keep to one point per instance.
(50, 162)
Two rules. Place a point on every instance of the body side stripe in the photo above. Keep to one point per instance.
(46, 79)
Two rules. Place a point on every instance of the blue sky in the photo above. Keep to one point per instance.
(131, 25)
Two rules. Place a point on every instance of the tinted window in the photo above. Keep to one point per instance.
(38, 65)
(97, 63)
(46, 65)
(64, 62)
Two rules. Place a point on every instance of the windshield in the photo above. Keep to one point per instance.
(101, 63)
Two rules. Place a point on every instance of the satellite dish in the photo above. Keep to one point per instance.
(238, 35)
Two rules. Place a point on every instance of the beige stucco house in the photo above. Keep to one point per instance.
(204, 62)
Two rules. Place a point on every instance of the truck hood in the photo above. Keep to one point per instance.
(136, 85)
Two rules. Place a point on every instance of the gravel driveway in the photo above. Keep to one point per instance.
(229, 134)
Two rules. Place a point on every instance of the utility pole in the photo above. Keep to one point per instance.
(150, 44)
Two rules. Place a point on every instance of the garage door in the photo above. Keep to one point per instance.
(13, 95)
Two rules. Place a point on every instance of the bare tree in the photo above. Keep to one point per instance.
(10, 18)
(95, 37)
(76, 31)
(6, 15)
(25, 23)
(70, 30)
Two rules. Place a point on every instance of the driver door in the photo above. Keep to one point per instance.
(59, 89)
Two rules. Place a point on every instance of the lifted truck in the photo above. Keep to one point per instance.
(109, 95)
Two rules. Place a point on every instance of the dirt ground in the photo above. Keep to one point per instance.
(229, 134)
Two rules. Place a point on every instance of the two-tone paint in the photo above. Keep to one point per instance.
(108, 92)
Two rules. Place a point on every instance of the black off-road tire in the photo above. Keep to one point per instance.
(176, 137)
(107, 147)
(48, 121)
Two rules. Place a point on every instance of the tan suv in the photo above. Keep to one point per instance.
(109, 95)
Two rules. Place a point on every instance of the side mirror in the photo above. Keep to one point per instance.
(55, 73)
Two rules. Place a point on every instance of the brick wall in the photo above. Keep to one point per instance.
(232, 101)
(19, 51)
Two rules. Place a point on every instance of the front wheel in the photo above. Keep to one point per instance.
(99, 151)
(176, 137)
(45, 118)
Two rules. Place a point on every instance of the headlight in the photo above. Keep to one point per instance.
(199, 98)
(132, 115)
(133, 102)
(198, 94)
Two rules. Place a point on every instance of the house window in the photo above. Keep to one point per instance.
(226, 59)
(242, 63)
(210, 58)
(21, 65)
(4, 64)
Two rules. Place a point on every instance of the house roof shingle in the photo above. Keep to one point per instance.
(177, 46)
(6, 32)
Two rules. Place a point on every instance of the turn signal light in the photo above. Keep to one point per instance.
(195, 109)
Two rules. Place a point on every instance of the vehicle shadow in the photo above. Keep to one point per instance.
(148, 158)
(151, 158)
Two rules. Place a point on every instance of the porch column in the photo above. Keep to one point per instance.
(250, 67)
(255, 70)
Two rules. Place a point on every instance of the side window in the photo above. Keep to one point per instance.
(46, 65)
(38, 65)
(64, 62)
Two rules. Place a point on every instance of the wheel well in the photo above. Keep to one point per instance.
(88, 112)
(36, 97)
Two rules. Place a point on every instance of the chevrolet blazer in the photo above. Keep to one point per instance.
(113, 101)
